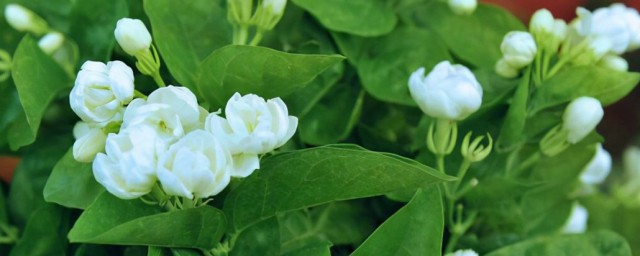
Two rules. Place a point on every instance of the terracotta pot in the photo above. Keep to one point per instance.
(7, 167)
(523, 9)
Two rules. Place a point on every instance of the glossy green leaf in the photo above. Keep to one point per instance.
(25, 192)
(358, 17)
(473, 38)
(511, 133)
(110, 220)
(71, 183)
(44, 233)
(305, 178)
(605, 85)
(589, 244)
(186, 33)
(315, 249)
(93, 30)
(385, 63)
(38, 80)
(263, 71)
(332, 119)
(262, 238)
(416, 229)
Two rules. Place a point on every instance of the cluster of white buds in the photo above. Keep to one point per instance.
(599, 37)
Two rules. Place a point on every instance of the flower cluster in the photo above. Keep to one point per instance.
(596, 38)
(136, 141)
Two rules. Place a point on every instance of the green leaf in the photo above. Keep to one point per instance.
(473, 38)
(589, 244)
(511, 133)
(4, 217)
(416, 229)
(304, 178)
(263, 71)
(71, 184)
(385, 63)
(605, 85)
(260, 239)
(315, 249)
(186, 33)
(93, 30)
(344, 223)
(358, 17)
(25, 192)
(110, 220)
(332, 119)
(38, 79)
(44, 233)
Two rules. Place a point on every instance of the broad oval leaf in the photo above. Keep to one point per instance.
(601, 242)
(110, 220)
(305, 178)
(38, 80)
(473, 38)
(358, 17)
(385, 63)
(186, 32)
(416, 229)
(263, 71)
(71, 184)
(605, 85)
(44, 232)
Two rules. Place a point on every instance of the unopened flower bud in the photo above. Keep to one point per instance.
(614, 62)
(580, 117)
(577, 222)
(519, 49)
(463, 7)
(598, 168)
(132, 35)
(23, 19)
(51, 42)
(90, 140)
(276, 7)
(461, 252)
(505, 70)
(448, 92)
(542, 23)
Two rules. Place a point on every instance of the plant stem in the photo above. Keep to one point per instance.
(464, 167)
(243, 34)
(256, 38)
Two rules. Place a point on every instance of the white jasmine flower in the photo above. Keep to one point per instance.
(132, 35)
(448, 92)
(252, 126)
(51, 42)
(463, 7)
(519, 49)
(197, 165)
(170, 111)
(90, 140)
(128, 169)
(100, 91)
(577, 222)
(617, 23)
(580, 117)
(598, 168)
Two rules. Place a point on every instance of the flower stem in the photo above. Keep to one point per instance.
(464, 167)
(243, 34)
(256, 38)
